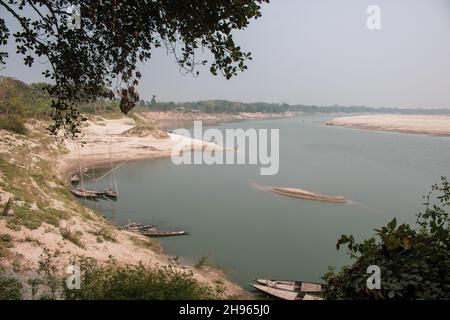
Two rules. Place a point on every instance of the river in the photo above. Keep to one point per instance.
(252, 233)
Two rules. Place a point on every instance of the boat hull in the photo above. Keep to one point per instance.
(298, 286)
(155, 233)
(284, 294)
(83, 194)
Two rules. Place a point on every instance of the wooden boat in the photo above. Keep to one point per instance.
(297, 286)
(75, 179)
(110, 193)
(137, 227)
(130, 224)
(150, 230)
(284, 294)
(96, 192)
(83, 193)
(159, 233)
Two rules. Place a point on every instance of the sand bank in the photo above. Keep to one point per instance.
(156, 117)
(300, 193)
(118, 140)
(422, 124)
(303, 194)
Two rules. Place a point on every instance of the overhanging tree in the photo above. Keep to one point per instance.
(113, 36)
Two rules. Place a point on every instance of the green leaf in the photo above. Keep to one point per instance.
(391, 225)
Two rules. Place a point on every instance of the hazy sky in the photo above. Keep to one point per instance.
(320, 52)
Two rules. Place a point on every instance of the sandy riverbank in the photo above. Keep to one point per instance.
(422, 124)
(118, 140)
(45, 216)
(158, 116)
(171, 119)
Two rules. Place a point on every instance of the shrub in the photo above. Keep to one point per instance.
(12, 123)
(112, 281)
(74, 237)
(6, 208)
(10, 289)
(414, 262)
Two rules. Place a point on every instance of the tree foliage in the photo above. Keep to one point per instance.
(114, 36)
(414, 262)
(22, 100)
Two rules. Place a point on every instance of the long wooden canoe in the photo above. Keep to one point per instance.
(284, 294)
(83, 194)
(159, 233)
(96, 192)
(138, 227)
(298, 286)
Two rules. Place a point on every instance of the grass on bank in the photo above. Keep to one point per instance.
(10, 288)
(105, 233)
(146, 244)
(5, 245)
(74, 237)
(110, 281)
(13, 123)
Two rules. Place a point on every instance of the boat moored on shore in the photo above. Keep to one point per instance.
(284, 294)
(81, 193)
(292, 285)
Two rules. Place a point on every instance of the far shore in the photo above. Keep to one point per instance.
(102, 135)
(438, 125)
(163, 120)
(106, 142)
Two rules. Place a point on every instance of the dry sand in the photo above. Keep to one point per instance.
(104, 136)
(307, 195)
(156, 117)
(423, 124)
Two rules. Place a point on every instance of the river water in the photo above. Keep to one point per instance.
(253, 233)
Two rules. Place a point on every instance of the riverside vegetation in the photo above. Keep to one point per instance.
(110, 281)
(414, 260)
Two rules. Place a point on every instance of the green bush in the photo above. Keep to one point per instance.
(10, 289)
(112, 281)
(414, 262)
(12, 123)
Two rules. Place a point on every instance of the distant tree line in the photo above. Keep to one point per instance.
(225, 106)
(212, 106)
(19, 101)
